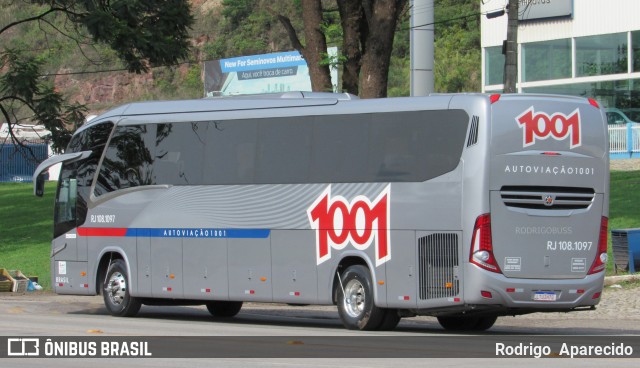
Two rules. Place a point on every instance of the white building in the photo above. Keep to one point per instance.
(579, 47)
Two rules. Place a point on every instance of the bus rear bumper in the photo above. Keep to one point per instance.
(533, 295)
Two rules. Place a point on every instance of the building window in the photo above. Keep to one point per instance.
(623, 94)
(546, 60)
(635, 45)
(601, 55)
(494, 65)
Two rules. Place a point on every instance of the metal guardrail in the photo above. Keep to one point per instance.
(624, 141)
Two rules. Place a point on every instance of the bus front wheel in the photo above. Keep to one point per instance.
(117, 298)
(390, 320)
(355, 300)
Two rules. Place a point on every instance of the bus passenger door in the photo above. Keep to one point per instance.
(65, 234)
(68, 275)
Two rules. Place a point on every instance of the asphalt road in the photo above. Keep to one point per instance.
(263, 329)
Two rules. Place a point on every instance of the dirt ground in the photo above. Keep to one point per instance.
(629, 164)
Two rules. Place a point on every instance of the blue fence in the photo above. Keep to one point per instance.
(624, 141)
(17, 164)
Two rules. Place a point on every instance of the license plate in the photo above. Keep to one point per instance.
(545, 296)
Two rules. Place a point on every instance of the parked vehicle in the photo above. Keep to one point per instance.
(617, 122)
(617, 117)
(632, 113)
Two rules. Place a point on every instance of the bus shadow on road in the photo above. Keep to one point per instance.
(325, 319)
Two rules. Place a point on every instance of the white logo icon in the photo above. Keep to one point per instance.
(23, 347)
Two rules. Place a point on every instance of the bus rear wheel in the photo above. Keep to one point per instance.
(224, 308)
(459, 323)
(117, 298)
(485, 323)
(355, 302)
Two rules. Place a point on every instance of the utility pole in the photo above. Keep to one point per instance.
(511, 49)
(421, 40)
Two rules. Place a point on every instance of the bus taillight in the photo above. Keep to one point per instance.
(600, 263)
(482, 246)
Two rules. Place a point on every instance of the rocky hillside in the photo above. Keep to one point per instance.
(102, 91)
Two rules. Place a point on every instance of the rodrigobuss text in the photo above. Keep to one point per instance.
(387, 208)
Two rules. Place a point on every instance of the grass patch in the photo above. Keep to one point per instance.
(624, 200)
(26, 222)
(26, 228)
(626, 284)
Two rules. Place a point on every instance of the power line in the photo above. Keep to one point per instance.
(116, 70)
(451, 19)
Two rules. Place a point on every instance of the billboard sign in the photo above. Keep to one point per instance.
(253, 74)
(540, 9)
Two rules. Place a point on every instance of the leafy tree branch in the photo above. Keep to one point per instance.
(142, 33)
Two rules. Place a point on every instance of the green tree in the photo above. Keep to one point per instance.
(254, 26)
(457, 46)
(368, 29)
(457, 62)
(246, 27)
(142, 33)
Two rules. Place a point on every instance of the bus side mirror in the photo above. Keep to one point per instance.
(40, 184)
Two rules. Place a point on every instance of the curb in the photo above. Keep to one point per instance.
(611, 280)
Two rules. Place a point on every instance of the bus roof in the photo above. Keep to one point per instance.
(293, 100)
(228, 103)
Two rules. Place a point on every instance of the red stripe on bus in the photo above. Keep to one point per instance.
(102, 231)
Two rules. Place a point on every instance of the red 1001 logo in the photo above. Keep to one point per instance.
(541, 126)
(338, 222)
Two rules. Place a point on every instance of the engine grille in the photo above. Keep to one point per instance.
(547, 198)
(438, 264)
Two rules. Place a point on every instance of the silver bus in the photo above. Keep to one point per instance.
(464, 207)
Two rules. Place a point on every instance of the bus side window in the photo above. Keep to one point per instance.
(128, 160)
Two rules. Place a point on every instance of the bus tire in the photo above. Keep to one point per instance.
(458, 323)
(355, 303)
(390, 320)
(117, 298)
(224, 309)
(485, 323)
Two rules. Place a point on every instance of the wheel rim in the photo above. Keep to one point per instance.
(117, 288)
(354, 298)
